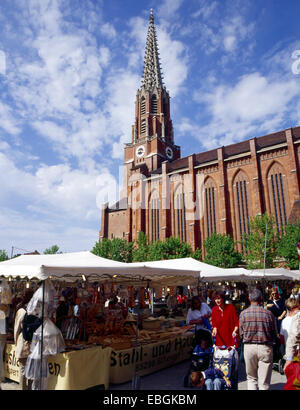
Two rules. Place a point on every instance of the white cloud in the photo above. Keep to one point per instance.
(205, 10)
(59, 190)
(108, 30)
(254, 106)
(234, 31)
(168, 8)
(7, 120)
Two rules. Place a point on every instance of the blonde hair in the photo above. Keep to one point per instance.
(291, 304)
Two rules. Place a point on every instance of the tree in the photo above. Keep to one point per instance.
(170, 248)
(197, 254)
(3, 255)
(287, 244)
(219, 251)
(141, 248)
(115, 249)
(52, 250)
(255, 242)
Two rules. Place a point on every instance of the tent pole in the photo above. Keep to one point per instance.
(42, 334)
(135, 379)
(265, 251)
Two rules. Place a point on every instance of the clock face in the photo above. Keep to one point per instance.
(140, 151)
(169, 152)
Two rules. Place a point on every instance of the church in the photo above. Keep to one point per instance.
(192, 197)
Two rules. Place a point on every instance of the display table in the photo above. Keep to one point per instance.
(75, 370)
(82, 369)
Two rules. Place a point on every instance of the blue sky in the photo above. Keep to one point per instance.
(69, 72)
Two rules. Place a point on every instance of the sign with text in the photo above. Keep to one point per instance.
(82, 369)
(149, 358)
(76, 370)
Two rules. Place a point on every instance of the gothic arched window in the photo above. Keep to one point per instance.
(143, 106)
(143, 126)
(179, 215)
(154, 216)
(154, 104)
(210, 202)
(278, 194)
(241, 205)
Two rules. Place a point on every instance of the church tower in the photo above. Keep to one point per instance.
(152, 139)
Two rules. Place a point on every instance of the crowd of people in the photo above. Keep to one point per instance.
(256, 331)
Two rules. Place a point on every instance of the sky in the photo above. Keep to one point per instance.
(69, 73)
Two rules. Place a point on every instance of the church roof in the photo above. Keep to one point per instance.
(231, 150)
(152, 76)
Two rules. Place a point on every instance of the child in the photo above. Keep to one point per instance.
(214, 379)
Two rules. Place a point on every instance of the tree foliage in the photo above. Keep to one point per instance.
(220, 251)
(197, 254)
(115, 249)
(170, 248)
(3, 255)
(52, 250)
(140, 249)
(255, 242)
(287, 245)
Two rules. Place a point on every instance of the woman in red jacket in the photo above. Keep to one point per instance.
(225, 322)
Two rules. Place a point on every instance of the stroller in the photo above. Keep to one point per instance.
(222, 358)
(226, 359)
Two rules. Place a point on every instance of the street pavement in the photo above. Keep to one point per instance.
(171, 378)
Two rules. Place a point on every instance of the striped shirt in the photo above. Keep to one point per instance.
(257, 325)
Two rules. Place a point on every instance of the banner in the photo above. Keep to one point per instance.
(82, 369)
(149, 358)
(76, 370)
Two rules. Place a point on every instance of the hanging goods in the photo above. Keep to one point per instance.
(50, 297)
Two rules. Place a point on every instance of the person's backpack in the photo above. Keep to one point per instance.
(30, 324)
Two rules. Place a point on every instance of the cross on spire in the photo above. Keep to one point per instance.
(152, 76)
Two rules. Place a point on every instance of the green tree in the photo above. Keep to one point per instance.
(255, 242)
(3, 255)
(287, 244)
(197, 254)
(115, 249)
(156, 251)
(170, 248)
(52, 250)
(220, 251)
(141, 248)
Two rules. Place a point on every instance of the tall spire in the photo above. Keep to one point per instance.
(152, 76)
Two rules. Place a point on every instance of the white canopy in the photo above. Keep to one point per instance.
(274, 274)
(70, 266)
(187, 265)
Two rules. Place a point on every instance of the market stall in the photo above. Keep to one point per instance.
(116, 342)
(93, 279)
